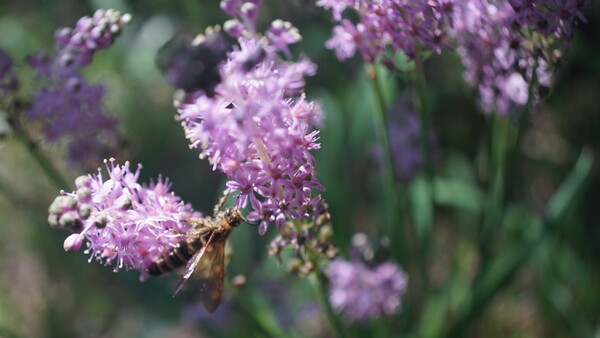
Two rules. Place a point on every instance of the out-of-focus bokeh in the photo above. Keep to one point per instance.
(46, 292)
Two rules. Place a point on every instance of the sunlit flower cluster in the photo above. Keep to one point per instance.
(402, 25)
(125, 224)
(257, 128)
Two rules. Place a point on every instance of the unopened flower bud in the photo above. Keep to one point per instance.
(73, 243)
(84, 211)
(123, 202)
(53, 221)
(83, 181)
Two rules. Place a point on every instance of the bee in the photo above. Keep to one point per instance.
(204, 252)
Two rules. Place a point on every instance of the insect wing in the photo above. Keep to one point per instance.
(191, 266)
(211, 287)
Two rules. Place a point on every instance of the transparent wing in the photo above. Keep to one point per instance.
(211, 286)
(191, 266)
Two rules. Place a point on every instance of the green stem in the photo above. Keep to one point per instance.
(381, 126)
(390, 193)
(426, 228)
(505, 155)
(424, 115)
(503, 269)
(257, 320)
(47, 166)
(321, 291)
(494, 201)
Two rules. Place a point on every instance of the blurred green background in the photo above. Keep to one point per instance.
(45, 292)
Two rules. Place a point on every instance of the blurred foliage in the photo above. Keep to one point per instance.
(547, 223)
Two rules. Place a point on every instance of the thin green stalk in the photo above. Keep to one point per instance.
(424, 115)
(392, 221)
(258, 321)
(504, 268)
(426, 228)
(51, 172)
(504, 155)
(494, 205)
(334, 320)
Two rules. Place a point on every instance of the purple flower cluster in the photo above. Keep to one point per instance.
(548, 17)
(496, 55)
(257, 127)
(503, 44)
(124, 223)
(397, 24)
(360, 292)
(71, 109)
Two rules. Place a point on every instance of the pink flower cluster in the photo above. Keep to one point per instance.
(70, 108)
(257, 128)
(397, 24)
(125, 224)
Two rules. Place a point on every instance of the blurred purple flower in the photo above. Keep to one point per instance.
(396, 24)
(501, 44)
(257, 128)
(124, 223)
(549, 17)
(71, 109)
(196, 313)
(360, 292)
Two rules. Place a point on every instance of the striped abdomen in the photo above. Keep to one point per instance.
(176, 257)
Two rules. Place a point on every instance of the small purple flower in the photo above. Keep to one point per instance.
(396, 24)
(75, 47)
(123, 223)
(281, 34)
(70, 108)
(360, 292)
(258, 127)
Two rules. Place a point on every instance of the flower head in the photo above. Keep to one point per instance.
(360, 292)
(76, 46)
(396, 24)
(257, 128)
(70, 108)
(124, 224)
(504, 46)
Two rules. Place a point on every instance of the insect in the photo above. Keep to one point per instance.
(193, 65)
(204, 252)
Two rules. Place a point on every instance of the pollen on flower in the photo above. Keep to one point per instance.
(258, 127)
(123, 223)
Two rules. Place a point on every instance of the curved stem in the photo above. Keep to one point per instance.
(425, 117)
(51, 172)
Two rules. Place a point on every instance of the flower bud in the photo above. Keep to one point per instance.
(73, 243)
